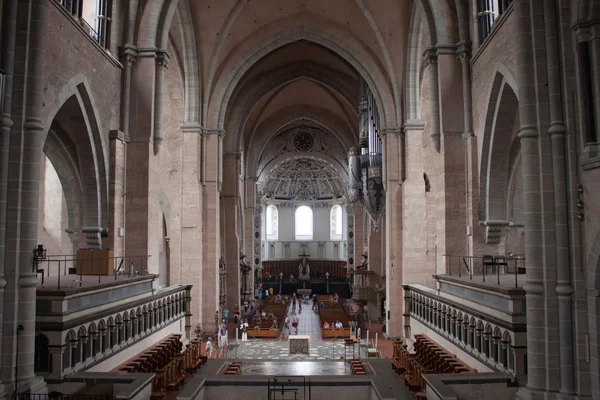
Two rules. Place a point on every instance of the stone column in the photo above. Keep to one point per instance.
(190, 270)
(117, 192)
(557, 135)
(26, 142)
(212, 149)
(128, 57)
(470, 144)
(9, 25)
(529, 136)
(230, 213)
(431, 59)
(413, 219)
(159, 83)
(392, 146)
(57, 352)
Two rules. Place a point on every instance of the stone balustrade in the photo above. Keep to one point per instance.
(88, 343)
(486, 338)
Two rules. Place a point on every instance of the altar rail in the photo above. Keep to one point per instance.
(318, 268)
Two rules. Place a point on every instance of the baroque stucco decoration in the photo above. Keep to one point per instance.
(282, 146)
(303, 179)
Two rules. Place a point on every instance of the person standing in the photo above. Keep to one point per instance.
(209, 348)
(222, 340)
(295, 322)
(244, 328)
(226, 316)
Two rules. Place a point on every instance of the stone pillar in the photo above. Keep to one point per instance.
(434, 84)
(414, 261)
(128, 57)
(159, 83)
(26, 144)
(230, 214)
(117, 192)
(190, 270)
(557, 134)
(9, 27)
(392, 146)
(470, 144)
(529, 136)
(57, 352)
(212, 153)
(141, 237)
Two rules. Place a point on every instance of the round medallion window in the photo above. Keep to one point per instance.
(303, 141)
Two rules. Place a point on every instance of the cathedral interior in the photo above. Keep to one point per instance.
(266, 199)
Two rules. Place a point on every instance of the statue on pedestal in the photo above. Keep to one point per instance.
(304, 268)
(245, 268)
(364, 264)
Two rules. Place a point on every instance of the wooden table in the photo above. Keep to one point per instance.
(299, 344)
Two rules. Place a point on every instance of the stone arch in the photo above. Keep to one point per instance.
(276, 78)
(501, 115)
(72, 113)
(66, 168)
(191, 66)
(302, 28)
(271, 126)
(414, 57)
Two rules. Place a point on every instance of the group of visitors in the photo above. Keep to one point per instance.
(336, 325)
(223, 342)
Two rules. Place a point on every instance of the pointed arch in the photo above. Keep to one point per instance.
(497, 140)
(75, 114)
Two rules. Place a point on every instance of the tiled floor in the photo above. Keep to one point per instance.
(309, 324)
(296, 368)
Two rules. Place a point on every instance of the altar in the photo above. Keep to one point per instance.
(299, 344)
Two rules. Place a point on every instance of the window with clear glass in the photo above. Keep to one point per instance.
(304, 223)
(272, 222)
(336, 223)
(488, 12)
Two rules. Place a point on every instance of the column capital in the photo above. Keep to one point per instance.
(430, 57)
(128, 54)
(414, 125)
(162, 59)
(463, 50)
(208, 131)
(116, 134)
(396, 130)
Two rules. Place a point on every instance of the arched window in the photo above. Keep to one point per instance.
(272, 222)
(304, 223)
(335, 218)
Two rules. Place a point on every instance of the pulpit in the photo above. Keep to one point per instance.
(299, 344)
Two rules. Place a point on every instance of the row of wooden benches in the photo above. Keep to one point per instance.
(429, 358)
(357, 367)
(234, 368)
(171, 366)
(156, 357)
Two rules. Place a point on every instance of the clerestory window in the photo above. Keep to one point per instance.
(272, 223)
(488, 11)
(95, 16)
(304, 223)
(335, 223)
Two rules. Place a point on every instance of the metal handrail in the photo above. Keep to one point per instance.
(64, 264)
(456, 263)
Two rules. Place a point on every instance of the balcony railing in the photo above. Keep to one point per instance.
(498, 342)
(501, 270)
(62, 271)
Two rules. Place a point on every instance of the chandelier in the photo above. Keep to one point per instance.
(365, 164)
